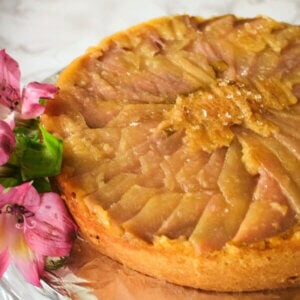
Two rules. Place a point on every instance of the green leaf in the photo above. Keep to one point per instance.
(42, 159)
(10, 181)
(38, 153)
(10, 175)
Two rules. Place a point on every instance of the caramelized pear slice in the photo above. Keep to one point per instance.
(212, 232)
(152, 215)
(286, 157)
(134, 114)
(133, 136)
(112, 191)
(223, 214)
(187, 176)
(286, 120)
(237, 189)
(185, 216)
(290, 143)
(131, 203)
(269, 214)
(258, 155)
(171, 165)
(105, 111)
(150, 168)
(208, 176)
(287, 129)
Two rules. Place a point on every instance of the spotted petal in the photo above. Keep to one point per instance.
(53, 234)
(7, 142)
(32, 94)
(9, 80)
(16, 249)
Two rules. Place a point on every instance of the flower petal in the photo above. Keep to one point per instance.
(52, 209)
(24, 259)
(7, 142)
(40, 261)
(54, 232)
(18, 251)
(3, 233)
(32, 93)
(4, 261)
(24, 194)
(9, 80)
(46, 244)
(8, 116)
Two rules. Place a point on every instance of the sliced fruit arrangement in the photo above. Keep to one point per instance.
(187, 129)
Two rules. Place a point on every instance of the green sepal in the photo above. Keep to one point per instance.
(38, 153)
(10, 181)
(42, 185)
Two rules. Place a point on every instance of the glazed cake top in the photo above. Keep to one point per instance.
(187, 129)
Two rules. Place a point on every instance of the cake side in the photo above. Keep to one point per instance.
(269, 265)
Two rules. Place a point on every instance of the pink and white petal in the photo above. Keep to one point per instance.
(24, 259)
(3, 233)
(9, 70)
(9, 80)
(40, 263)
(45, 244)
(24, 194)
(31, 96)
(7, 142)
(8, 116)
(4, 261)
(8, 196)
(29, 269)
(51, 231)
(52, 210)
(55, 231)
(29, 197)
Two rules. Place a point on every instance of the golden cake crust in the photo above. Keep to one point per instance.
(239, 263)
(231, 269)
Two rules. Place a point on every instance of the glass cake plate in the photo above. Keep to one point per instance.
(89, 275)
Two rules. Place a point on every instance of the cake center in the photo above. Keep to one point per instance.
(207, 115)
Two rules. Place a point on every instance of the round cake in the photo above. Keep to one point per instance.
(182, 150)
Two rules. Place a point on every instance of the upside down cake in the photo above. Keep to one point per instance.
(182, 150)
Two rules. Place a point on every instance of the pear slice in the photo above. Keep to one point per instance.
(279, 163)
(269, 214)
(209, 174)
(131, 203)
(225, 211)
(185, 216)
(152, 215)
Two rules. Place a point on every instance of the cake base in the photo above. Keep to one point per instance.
(232, 269)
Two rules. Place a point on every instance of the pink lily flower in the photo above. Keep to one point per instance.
(26, 104)
(7, 142)
(14, 104)
(32, 227)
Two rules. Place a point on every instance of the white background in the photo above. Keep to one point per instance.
(45, 35)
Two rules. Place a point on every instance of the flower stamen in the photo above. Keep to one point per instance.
(21, 214)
